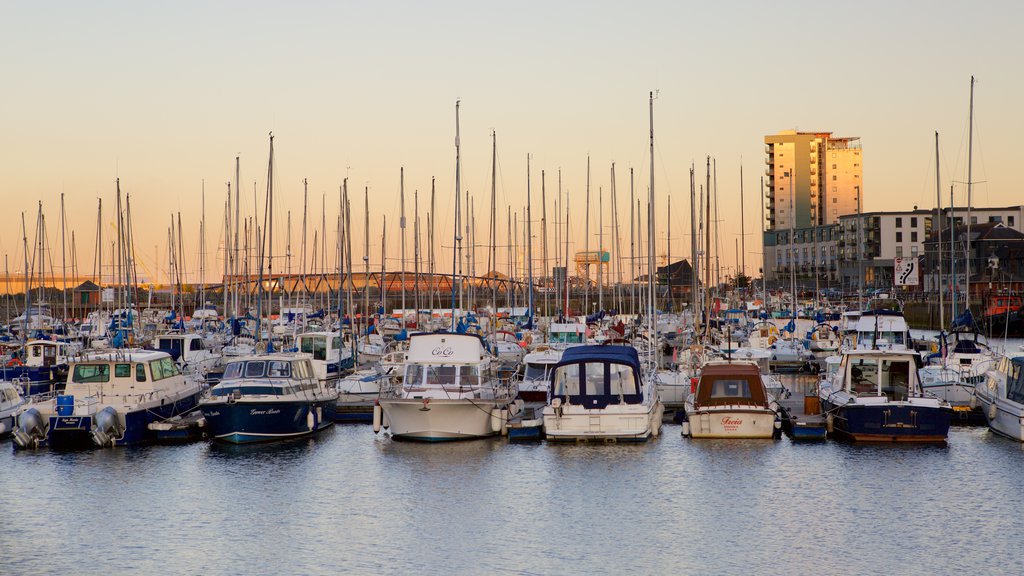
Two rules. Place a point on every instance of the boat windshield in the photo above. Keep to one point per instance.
(596, 384)
(877, 377)
(441, 375)
(315, 345)
(566, 337)
(536, 372)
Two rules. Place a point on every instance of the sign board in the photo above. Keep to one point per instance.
(906, 273)
(107, 295)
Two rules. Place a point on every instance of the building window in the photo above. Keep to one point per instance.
(995, 218)
(833, 166)
(913, 251)
(913, 236)
(833, 177)
(913, 221)
(1009, 220)
(974, 219)
(899, 236)
(899, 222)
(899, 251)
(835, 189)
(835, 200)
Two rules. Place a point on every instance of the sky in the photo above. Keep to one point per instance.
(164, 96)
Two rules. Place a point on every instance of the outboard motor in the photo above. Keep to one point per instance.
(30, 430)
(106, 427)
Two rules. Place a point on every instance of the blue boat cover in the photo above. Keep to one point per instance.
(599, 353)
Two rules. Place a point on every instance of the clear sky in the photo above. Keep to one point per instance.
(164, 95)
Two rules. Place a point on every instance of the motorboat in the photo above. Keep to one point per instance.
(10, 401)
(268, 397)
(110, 399)
(598, 393)
(41, 367)
(957, 369)
(328, 353)
(876, 395)
(731, 400)
(450, 390)
(189, 351)
(762, 335)
(358, 393)
(1001, 397)
(370, 348)
(537, 366)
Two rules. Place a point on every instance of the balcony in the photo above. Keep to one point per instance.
(770, 172)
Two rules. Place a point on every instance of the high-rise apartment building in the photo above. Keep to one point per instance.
(812, 178)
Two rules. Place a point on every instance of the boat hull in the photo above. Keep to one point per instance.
(890, 422)
(636, 423)
(731, 423)
(439, 420)
(1003, 417)
(264, 421)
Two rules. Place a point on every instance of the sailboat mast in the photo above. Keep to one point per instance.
(632, 246)
(938, 227)
(457, 248)
(366, 255)
(651, 297)
(544, 237)
(529, 248)
(401, 224)
(970, 188)
(743, 229)
(694, 266)
(493, 267)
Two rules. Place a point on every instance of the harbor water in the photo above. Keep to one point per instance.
(351, 502)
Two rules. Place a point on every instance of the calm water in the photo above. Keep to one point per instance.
(350, 502)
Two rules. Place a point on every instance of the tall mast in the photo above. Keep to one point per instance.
(632, 246)
(237, 264)
(529, 248)
(718, 267)
(651, 224)
(970, 188)
(416, 253)
(600, 248)
(457, 248)
(586, 246)
(431, 225)
(694, 267)
(544, 237)
(202, 247)
(493, 267)
(63, 261)
(743, 228)
(938, 228)
(668, 250)
(305, 236)
(764, 273)
(401, 224)
(366, 255)
(706, 197)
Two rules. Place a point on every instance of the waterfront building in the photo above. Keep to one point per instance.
(996, 257)
(812, 179)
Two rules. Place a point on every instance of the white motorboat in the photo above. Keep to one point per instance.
(10, 401)
(731, 401)
(537, 366)
(450, 391)
(954, 377)
(598, 393)
(189, 351)
(328, 353)
(109, 400)
(1001, 397)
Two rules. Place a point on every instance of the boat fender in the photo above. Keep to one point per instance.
(974, 401)
(686, 428)
(377, 417)
(311, 419)
(829, 423)
(993, 410)
(504, 422)
(495, 420)
(556, 403)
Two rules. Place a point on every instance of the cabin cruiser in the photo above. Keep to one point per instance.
(41, 368)
(268, 397)
(597, 393)
(731, 400)
(876, 395)
(957, 371)
(189, 351)
(10, 401)
(537, 366)
(370, 348)
(110, 399)
(330, 357)
(450, 391)
(1001, 397)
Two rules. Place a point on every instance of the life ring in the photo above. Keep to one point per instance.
(15, 362)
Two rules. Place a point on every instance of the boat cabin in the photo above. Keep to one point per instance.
(730, 384)
(319, 344)
(267, 375)
(567, 333)
(597, 376)
(893, 376)
(178, 345)
(46, 353)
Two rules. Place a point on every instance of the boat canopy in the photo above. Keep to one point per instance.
(729, 384)
(597, 376)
